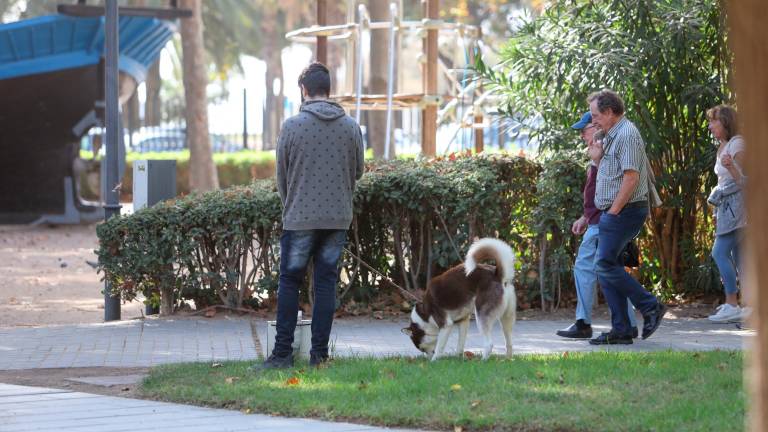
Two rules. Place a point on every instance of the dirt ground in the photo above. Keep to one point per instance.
(45, 277)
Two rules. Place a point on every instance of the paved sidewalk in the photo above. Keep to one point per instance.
(41, 409)
(142, 343)
(135, 343)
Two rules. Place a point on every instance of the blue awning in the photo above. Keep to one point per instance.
(57, 42)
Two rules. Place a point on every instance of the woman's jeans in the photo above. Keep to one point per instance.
(725, 252)
(585, 277)
(296, 248)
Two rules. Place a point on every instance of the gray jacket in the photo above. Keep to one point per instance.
(319, 159)
(729, 202)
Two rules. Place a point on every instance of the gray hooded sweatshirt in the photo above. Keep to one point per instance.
(319, 159)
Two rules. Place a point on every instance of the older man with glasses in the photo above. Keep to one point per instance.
(584, 274)
(622, 194)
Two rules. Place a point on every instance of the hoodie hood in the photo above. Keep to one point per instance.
(323, 109)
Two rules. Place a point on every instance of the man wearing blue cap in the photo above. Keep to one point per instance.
(584, 274)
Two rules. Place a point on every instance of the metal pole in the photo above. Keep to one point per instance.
(390, 76)
(112, 199)
(362, 17)
(245, 119)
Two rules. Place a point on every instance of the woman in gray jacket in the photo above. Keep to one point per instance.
(729, 200)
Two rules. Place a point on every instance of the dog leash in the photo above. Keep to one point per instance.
(402, 290)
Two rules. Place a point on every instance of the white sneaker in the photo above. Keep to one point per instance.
(746, 311)
(726, 313)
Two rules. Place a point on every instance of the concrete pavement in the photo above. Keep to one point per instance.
(151, 342)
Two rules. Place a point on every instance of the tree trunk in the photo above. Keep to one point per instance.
(377, 84)
(152, 106)
(747, 23)
(131, 118)
(203, 176)
(272, 55)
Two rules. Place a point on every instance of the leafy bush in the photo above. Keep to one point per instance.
(413, 219)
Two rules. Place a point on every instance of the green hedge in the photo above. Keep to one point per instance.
(239, 168)
(413, 218)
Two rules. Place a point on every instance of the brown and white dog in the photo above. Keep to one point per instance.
(451, 297)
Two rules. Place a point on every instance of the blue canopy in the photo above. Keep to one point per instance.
(56, 42)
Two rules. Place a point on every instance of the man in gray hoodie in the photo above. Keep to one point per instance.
(319, 159)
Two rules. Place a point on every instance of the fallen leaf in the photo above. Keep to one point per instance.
(362, 386)
(561, 379)
(210, 313)
(231, 380)
(722, 366)
(469, 355)
(565, 354)
(456, 387)
(246, 411)
(292, 381)
(458, 429)
(539, 375)
(474, 404)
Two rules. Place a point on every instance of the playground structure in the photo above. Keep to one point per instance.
(52, 81)
(463, 105)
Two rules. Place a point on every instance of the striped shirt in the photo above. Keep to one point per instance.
(623, 150)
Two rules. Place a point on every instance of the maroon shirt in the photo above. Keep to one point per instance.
(590, 211)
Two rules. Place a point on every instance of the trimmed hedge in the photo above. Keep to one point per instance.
(413, 219)
(239, 168)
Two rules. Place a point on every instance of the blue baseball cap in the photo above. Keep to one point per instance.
(585, 120)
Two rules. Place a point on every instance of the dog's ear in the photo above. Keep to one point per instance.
(407, 331)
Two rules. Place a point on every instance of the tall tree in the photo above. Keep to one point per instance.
(203, 175)
(670, 61)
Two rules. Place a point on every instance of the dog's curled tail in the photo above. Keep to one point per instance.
(495, 249)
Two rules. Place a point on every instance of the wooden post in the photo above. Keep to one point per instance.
(322, 41)
(747, 37)
(429, 115)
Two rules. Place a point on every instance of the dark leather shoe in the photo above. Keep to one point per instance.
(317, 359)
(578, 330)
(611, 338)
(634, 333)
(273, 362)
(652, 321)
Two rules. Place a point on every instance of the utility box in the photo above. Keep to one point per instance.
(153, 181)
(302, 338)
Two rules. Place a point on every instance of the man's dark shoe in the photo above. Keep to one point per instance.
(577, 330)
(634, 333)
(611, 338)
(652, 321)
(317, 359)
(273, 362)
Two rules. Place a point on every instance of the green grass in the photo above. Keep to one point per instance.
(601, 391)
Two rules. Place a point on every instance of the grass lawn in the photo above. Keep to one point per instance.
(600, 391)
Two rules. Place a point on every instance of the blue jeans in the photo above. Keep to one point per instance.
(585, 277)
(618, 286)
(296, 248)
(725, 251)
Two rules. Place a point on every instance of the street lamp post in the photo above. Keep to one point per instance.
(112, 198)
